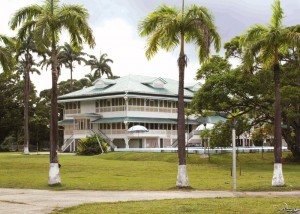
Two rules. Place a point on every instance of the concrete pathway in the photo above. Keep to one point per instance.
(15, 201)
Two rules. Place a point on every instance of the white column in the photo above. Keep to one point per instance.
(126, 104)
(126, 135)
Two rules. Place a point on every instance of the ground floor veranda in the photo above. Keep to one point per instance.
(162, 133)
(121, 139)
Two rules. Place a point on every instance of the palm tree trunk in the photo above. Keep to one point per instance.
(182, 178)
(26, 107)
(278, 179)
(54, 175)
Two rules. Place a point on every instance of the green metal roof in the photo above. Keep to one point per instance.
(130, 84)
(66, 122)
(211, 119)
(86, 115)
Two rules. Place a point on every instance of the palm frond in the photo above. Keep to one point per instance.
(254, 33)
(200, 28)
(6, 59)
(7, 40)
(293, 38)
(277, 16)
(153, 43)
(156, 19)
(25, 14)
(162, 28)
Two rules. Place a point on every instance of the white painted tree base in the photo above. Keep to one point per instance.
(26, 150)
(182, 178)
(278, 180)
(54, 176)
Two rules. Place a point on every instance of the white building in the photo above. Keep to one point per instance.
(111, 107)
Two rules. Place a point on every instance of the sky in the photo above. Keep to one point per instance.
(115, 22)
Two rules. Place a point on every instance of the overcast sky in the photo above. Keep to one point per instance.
(114, 24)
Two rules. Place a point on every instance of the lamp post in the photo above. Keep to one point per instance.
(188, 133)
(205, 140)
(233, 154)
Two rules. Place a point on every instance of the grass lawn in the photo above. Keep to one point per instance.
(216, 205)
(144, 171)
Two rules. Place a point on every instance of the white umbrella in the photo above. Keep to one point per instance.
(202, 127)
(137, 129)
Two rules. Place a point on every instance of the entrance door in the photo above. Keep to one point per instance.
(161, 143)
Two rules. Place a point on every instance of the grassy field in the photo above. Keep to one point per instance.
(144, 171)
(211, 206)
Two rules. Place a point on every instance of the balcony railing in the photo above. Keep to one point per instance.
(110, 109)
(136, 108)
(122, 131)
(72, 111)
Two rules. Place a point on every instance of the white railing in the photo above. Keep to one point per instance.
(136, 108)
(110, 109)
(121, 131)
(72, 111)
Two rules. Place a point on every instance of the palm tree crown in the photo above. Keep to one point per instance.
(67, 56)
(266, 42)
(165, 27)
(100, 66)
(50, 19)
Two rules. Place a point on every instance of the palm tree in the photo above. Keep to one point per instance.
(46, 23)
(265, 43)
(26, 48)
(167, 28)
(6, 56)
(91, 77)
(100, 66)
(67, 56)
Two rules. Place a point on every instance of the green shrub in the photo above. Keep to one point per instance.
(90, 145)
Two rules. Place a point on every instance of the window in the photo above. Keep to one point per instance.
(82, 124)
(72, 108)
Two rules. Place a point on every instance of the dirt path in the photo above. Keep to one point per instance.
(15, 201)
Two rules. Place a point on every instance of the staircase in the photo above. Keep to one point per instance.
(105, 137)
(175, 143)
(69, 143)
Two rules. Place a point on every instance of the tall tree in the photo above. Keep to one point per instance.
(10, 106)
(68, 56)
(46, 22)
(167, 28)
(99, 66)
(25, 49)
(265, 44)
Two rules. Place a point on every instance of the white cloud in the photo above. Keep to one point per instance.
(121, 43)
(7, 11)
